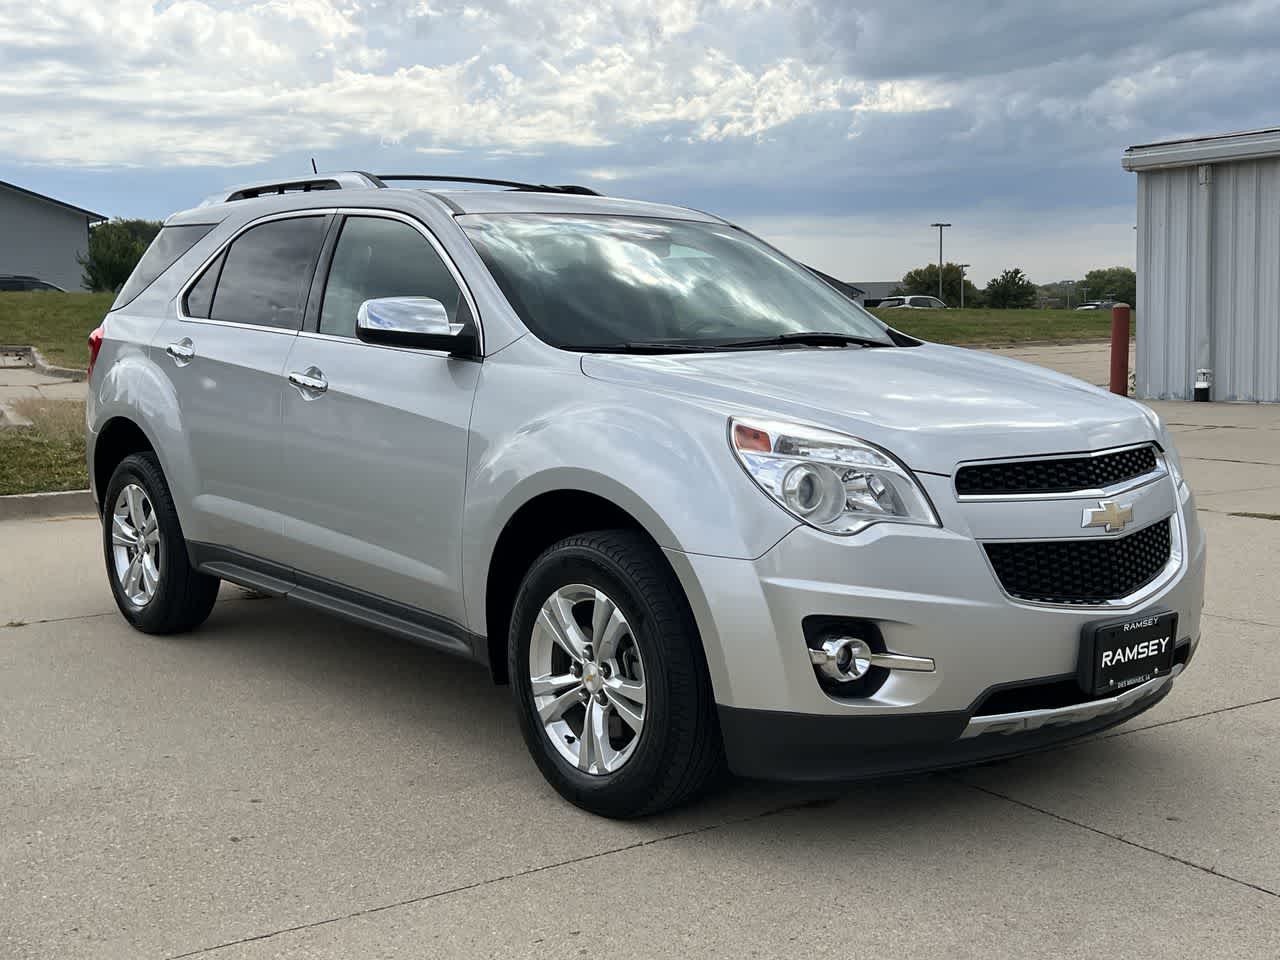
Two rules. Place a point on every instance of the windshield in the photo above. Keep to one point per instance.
(591, 282)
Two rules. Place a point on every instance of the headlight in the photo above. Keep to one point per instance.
(831, 481)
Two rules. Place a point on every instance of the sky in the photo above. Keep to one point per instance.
(837, 129)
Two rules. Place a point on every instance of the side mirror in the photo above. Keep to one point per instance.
(417, 322)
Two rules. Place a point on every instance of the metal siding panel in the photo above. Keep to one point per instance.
(1246, 272)
(1162, 270)
(1267, 352)
(41, 239)
(1180, 279)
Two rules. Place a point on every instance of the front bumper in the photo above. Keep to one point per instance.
(799, 746)
(931, 594)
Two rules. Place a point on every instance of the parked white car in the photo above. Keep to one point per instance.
(911, 303)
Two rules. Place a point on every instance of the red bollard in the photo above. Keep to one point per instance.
(1120, 349)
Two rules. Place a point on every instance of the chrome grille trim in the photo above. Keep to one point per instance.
(1115, 489)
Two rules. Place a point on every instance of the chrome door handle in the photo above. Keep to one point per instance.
(310, 382)
(182, 351)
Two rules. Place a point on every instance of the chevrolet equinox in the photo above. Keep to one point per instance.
(702, 512)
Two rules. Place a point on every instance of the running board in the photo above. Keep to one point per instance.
(357, 606)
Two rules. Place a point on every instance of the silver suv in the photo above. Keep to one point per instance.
(700, 511)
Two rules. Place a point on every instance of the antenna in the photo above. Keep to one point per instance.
(313, 165)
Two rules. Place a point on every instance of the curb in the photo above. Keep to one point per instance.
(42, 365)
(67, 502)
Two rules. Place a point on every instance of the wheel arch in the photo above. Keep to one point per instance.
(118, 438)
(540, 521)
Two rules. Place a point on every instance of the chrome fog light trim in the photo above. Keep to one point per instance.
(848, 658)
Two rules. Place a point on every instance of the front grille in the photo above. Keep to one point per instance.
(1060, 475)
(1082, 571)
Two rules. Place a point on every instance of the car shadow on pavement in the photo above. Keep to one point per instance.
(436, 703)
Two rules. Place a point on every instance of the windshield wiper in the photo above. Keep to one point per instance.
(804, 338)
(651, 346)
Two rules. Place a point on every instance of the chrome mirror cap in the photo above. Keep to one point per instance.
(406, 315)
(417, 323)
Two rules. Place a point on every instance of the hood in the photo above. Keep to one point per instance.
(932, 406)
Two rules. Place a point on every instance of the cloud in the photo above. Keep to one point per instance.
(267, 76)
(992, 113)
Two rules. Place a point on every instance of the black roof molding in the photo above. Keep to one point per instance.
(510, 184)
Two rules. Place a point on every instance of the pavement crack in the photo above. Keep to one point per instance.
(1211, 871)
(20, 622)
(15, 624)
(517, 875)
(1194, 716)
(1256, 623)
(1259, 463)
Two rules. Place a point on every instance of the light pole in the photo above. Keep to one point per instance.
(963, 268)
(940, 227)
(1070, 285)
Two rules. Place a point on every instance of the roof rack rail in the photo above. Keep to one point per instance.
(511, 184)
(348, 180)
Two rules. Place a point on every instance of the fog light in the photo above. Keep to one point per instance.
(842, 658)
(845, 659)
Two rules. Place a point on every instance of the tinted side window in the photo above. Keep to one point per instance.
(200, 296)
(266, 272)
(170, 243)
(376, 257)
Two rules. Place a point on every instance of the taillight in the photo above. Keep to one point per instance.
(95, 344)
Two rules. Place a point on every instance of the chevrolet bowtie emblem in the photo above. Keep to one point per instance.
(1107, 514)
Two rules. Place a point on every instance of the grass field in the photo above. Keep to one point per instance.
(56, 324)
(999, 326)
(49, 454)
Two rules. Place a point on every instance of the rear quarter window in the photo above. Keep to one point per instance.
(170, 244)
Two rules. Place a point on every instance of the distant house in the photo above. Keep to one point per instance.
(41, 237)
(873, 291)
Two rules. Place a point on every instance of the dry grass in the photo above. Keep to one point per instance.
(49, 454)
(63, 419)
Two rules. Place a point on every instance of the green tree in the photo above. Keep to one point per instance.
(1111, 283)
(1011, 290)
(924, 280)
(115, 247)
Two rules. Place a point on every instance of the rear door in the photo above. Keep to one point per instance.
(225, 353)
(377, 444)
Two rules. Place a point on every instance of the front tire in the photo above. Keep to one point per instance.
(611, 685)
(154, 584)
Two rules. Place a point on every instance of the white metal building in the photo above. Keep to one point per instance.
(1209, 266)
(42, 237)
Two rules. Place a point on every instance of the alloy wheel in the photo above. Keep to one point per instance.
(588, 679)
(135, 545)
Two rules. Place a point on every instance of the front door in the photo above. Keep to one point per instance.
(375, 437)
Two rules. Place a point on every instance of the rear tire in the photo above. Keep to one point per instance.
(642, 756)
(151, 577)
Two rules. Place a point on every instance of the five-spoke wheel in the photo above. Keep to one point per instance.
(612, 690)
(154, 584)
(135, 545)
(587, 678)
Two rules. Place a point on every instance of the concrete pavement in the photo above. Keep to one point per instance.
(282, 784)
(21, 383)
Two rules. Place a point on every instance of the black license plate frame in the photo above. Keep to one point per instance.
(1115, 655)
